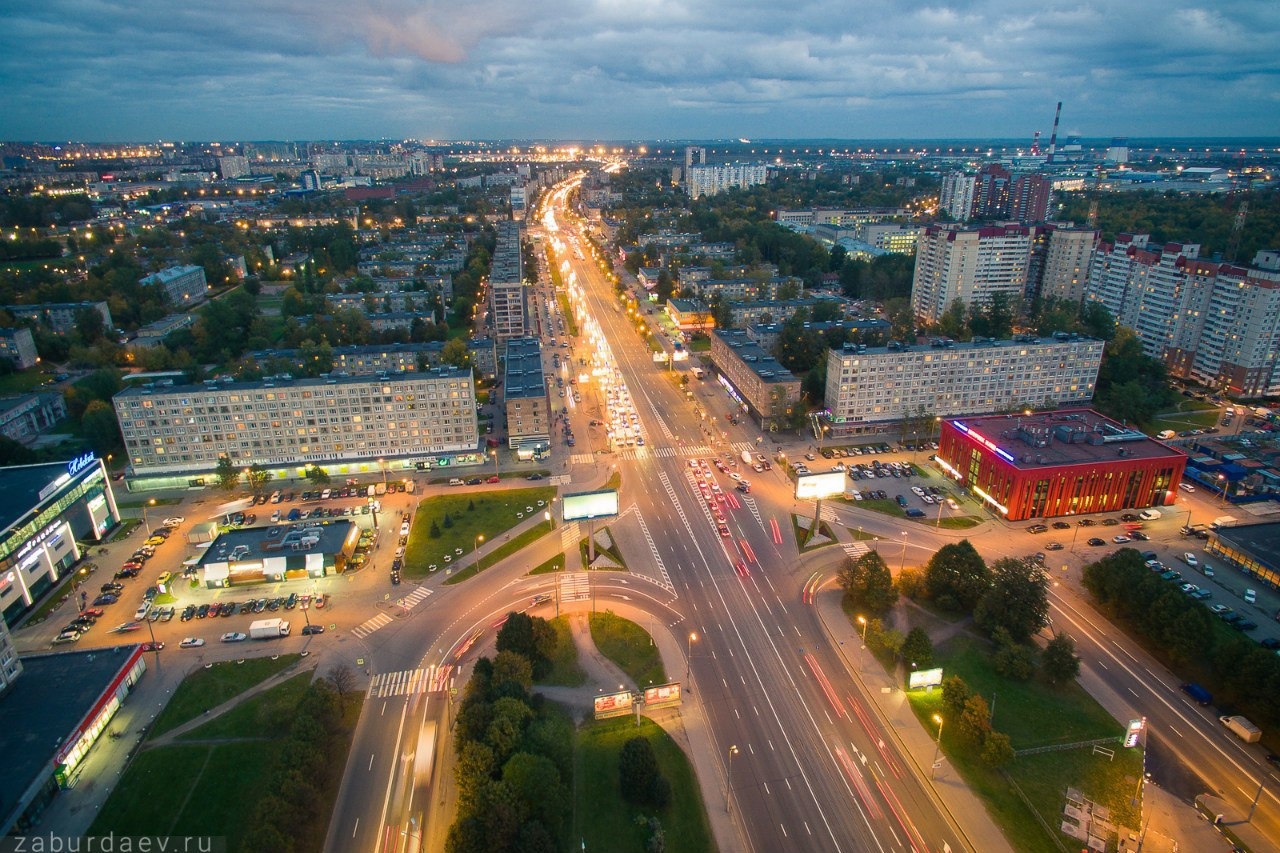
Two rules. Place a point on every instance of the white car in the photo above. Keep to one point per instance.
(404, 529)
(191, 643)
(174, 520)
(233, 637)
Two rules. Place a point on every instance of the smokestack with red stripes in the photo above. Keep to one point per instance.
(1053, 139)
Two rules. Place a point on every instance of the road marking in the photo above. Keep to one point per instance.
(370, 767)
(354, 828)
(370, 625)
(408, 682)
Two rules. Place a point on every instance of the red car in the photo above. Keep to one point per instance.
(741, 567)
(494, 479)
(92, 612)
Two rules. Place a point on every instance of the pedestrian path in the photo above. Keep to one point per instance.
(370, 625)
(409, 682)
(414, 598)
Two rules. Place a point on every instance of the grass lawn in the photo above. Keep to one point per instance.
(564, 666)
(209, 687)
(489, 514)
(506, 549)
(613, 552)
(570, 324)
(151, 791)
(886, 507)
(266, 715)
(546, 567)
(801, 534)
(1032, 714)
(22, 381)
(629, 646)
(607, 822)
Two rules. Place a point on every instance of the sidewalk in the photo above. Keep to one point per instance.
(950, 792)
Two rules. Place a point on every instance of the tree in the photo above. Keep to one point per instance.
(258, 477)
(975, 719)
(957, 577)
(954, 694)
(868, 583)
(434, 532)
(100, 427)
(317, 476)
(641, 781)
(917, 648)
(952, 323)
(509, 666)
(1059, 660)
(227, 473)
(1018, 600)
(455, 352)
(997, 750)
(344, 680)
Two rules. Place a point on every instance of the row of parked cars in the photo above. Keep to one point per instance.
(232, 608)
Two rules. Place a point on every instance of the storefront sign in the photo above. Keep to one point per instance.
(75, 466)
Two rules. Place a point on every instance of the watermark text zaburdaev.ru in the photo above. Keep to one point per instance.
(113, 843)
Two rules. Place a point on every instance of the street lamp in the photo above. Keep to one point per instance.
(937, 745)
(862, 620)
(145, 522)
(903, 561)
(728, 785)
(688, 655)
(479, 539)
(1222, 487)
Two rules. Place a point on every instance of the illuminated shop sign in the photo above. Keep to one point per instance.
(75, 466)
(1003, 454)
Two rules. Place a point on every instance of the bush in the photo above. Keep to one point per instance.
(917, 648)
(1059, 659)
(911, 583)
(638, 771)
(1015, 661)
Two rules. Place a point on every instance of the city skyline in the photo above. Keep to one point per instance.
(395, 69)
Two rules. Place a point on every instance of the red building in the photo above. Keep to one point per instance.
(1068, 462)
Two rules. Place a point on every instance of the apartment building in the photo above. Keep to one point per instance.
(385, 358)
(183, 286)
(970, 264)
(60, 317)
(876, 384)
(17, 345)
(509, 310)
(710, 180)
(1068, 256)
(527, 406)
(765, 389)
(281, 421)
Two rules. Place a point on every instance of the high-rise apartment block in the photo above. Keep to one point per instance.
(995, 193)
(694, 155)
(282, 422)
(969, 264)
(233, 167)
(507, 297)
(710, 180)
(1067, 256)
(873, 384)
(1209, 322)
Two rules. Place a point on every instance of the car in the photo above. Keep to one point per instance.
(112, 587)
(741, 568)
(166, 613)
(322, 599)
(234, 637)
(260, 605)
(1190, 559)
(474, 481)
(67, 637)
(308, 630)
(1053, 546)
(494, 479)
(92, 612)
(153, 647)
(1110, 522)
(291, 602)
(1189, 588)
(534, 477)
(1086, 522)
(1245, 625)
(1271, 644)
(188, 613)
(1035, 528)
(125, 574)
(1139, 536)
(1202, 594)
(1129, 516)
(1096, 542)
(395, 577)
(1171, 575)
(1121, 540)
(404, 529)
(191, 643)
(1220, 610)
(274, 604)
(174, 520)
(1061, 525)
(105, 599)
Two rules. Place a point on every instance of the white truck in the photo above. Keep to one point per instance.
(268, 629)
(1242, 728)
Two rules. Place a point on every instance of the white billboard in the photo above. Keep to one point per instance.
(824, 485)
(587, 505)
(924, 679)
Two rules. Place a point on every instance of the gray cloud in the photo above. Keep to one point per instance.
(110, 69)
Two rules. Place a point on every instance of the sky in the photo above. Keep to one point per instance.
(143, 70)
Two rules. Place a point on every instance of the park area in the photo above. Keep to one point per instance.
(447, 528)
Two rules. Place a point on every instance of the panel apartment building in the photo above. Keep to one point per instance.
(972, 263)
(183, 286)
(527, 406)
(281, 421)
(1213, 323)
(710, 180)
(508, 304)
(752, 376)
(878, 384)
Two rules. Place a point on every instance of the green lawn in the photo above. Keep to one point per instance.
(607, 822)
(22, 381)
(1032, 714)
(506, 549)
(207, 688)
(151, 791)
(824, 529)
(565, 670)
(489, 514)
(266, 715)
(629, 646)
(546, 567)
(613, 552)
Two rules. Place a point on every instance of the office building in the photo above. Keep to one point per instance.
(17, 345)
(970, 264)
(60, 317)
(508, 300)
(281, 422)
(184, 286)
(1253, 549)
(525, 394)
(710, 180)
(1062, 463)
(47, 510)
(766, 391)
(867, 385)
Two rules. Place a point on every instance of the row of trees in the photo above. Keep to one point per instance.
(515, 752)
(1238, 671)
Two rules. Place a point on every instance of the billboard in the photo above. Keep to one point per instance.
(924, 679)
(587, 505)
(662, 697)
(817, 486)
(613, 705)
(1133, 732)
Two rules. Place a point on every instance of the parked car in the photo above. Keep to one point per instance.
(308, 630)
(191, 643)
(234, 637)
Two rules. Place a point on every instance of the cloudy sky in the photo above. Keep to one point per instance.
(119, 70)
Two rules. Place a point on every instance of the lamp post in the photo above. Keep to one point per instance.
(862, 620)
(903, 561)
(937, 746)
(728, 785)
(688, 655)
(1222, 488)
(145, 521)
(476, 550)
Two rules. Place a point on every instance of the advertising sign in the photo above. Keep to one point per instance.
(587, 505)
(613, 705)
(816, 486)
(924, 679)
(1134, 731)
(663, 696)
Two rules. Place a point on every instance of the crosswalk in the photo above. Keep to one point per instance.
(370, 625)
(408, 682)
(574, 586)
(414, 598)
(570, 535)
(857, 549)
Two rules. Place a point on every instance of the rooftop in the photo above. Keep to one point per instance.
(20, 487)
(287, 380)
(524, 376)
(45, 705)
(1261, 541)
(1062, 437)
(948, 345)
(755, 357)
(280, 540)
